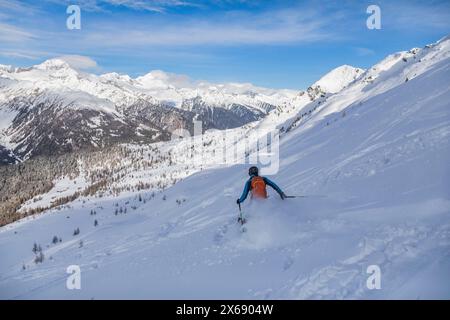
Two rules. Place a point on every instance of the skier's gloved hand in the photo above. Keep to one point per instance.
(283, 196)
(237, 201)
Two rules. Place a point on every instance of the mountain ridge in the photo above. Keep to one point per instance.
(115, 108)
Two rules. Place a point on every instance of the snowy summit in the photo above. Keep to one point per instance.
(337, 79)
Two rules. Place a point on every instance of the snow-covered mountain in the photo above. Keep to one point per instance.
(52, 108)
(373, 159)
(338, 78)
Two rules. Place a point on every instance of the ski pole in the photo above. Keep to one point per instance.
(311, 196)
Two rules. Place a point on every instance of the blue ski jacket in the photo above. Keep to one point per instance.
(266, 180)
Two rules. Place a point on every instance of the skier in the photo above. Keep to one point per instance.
(257, 185)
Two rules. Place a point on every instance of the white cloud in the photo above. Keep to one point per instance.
(159, 78)
(237, 28)
(17, 7)
(12, 5)
(10, 33)
(79, 62)
(143, 5)
(152, 5)
(17, 54)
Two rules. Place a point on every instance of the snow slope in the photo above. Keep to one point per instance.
(374, 161)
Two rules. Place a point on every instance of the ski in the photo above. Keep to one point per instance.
(242, 220)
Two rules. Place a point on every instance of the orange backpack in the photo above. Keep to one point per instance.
(258, 187)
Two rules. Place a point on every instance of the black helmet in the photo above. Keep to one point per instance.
(253, 171)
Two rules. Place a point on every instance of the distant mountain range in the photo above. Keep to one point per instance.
(51, 108)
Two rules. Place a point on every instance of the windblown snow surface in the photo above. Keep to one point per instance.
(377, 177)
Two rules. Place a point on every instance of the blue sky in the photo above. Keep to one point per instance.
(280, 44)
